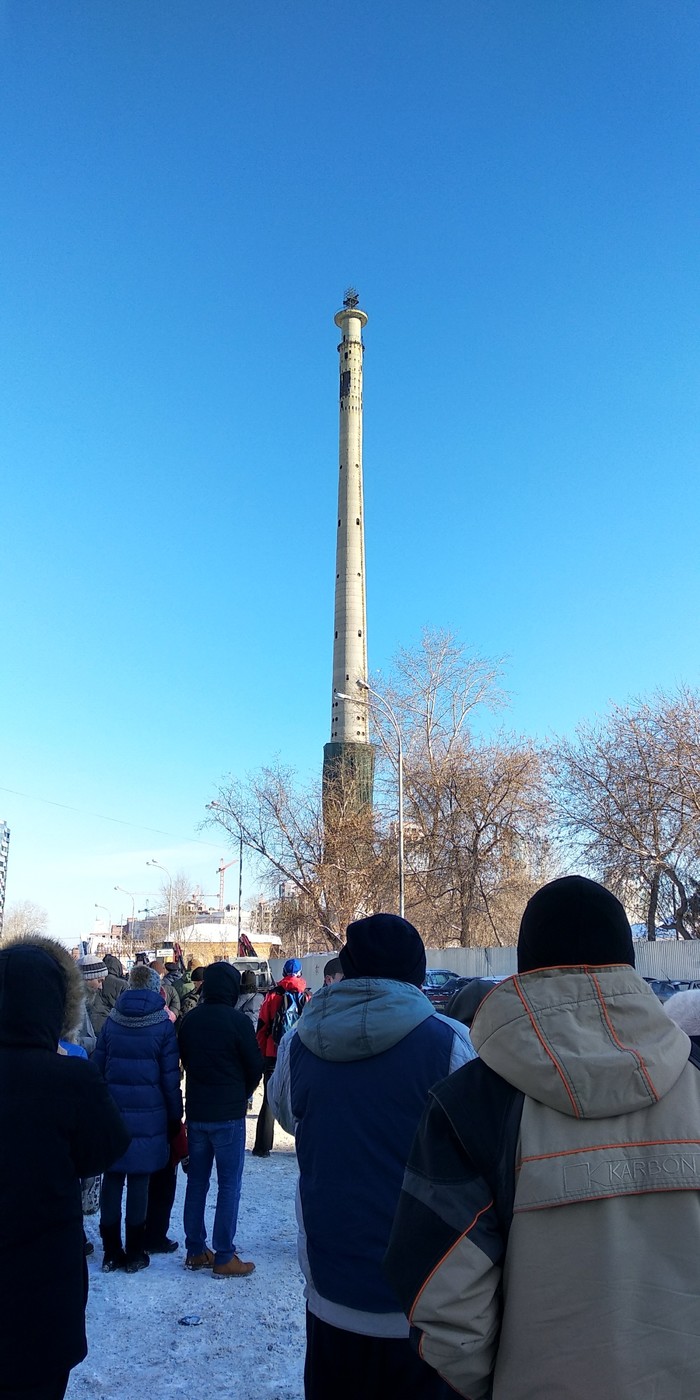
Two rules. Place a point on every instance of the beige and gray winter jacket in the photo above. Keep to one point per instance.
(547, 1243)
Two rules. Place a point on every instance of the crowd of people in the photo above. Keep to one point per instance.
(502, 1202)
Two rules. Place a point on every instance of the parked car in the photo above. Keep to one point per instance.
(439, 986)
(664, 988)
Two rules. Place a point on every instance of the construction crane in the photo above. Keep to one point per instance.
(220, 872)
(245, 947)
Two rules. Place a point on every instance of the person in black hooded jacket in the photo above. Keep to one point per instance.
(57, 1123)
(223, 1066)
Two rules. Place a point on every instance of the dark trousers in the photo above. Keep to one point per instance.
(51, 1389)
(161, 1195)
(136, 1198)
(265, 1131)
(341, 1365)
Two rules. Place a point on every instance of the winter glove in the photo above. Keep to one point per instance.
(179, 1146)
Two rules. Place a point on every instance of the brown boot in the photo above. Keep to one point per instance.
(200, 1261)
(236, 1268)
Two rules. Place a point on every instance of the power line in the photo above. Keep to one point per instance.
(117, 821)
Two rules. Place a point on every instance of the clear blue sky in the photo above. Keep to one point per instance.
(187, 189)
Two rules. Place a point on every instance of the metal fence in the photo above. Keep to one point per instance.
(668, 960)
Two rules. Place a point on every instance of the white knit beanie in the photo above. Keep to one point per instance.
(684, 1009)
(92, 967)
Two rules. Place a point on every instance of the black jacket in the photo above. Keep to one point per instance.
(219, 1051)
(57, 1123)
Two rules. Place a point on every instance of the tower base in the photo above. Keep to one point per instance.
(350, 766)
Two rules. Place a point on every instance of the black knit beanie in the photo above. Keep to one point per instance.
(384, 945)
(571, 922)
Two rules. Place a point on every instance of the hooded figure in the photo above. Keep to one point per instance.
(223, 1066)
(138, 1055)
(547, 1240)
(115, 982)
(465, 1003)
(57, 1123)
(351, 1083)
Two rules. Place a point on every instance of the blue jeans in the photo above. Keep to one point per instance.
(223, 1143)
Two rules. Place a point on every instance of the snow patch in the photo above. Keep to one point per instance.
(251, 1341)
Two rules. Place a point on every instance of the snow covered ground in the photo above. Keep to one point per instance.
(250, 1344)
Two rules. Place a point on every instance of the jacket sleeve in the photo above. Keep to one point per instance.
(99, 1134)
(462, 1049)
(279, 1088)
(170, 1074)
(265, 1019)
(99, 1054)
(445, 1258)
(86, 1034)
(250, 1056)
(98, 1010)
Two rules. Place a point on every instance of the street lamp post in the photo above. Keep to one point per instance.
(170, 892)
(399, 741)
(132, 897)
(240, 885)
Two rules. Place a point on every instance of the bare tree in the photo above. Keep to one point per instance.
(627, 797)
(475, 808)
(321, 845)
(182, 900)
(292, 919)
(23, 918)
(475, 816)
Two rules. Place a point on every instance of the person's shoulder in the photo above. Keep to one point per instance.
(443, 1028)
(78, 1073)
(457, 1030)
(474, 1089)
(241, 1021)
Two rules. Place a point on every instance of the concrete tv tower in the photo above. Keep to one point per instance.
(349, 750)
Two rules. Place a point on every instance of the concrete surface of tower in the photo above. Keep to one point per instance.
(349, 751)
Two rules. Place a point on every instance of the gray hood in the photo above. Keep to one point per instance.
(361, 1017)
(591, 1042)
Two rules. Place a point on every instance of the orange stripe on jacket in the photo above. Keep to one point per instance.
(445, 1256)
(545, 1047)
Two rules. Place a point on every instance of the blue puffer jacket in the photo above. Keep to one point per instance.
(137, 1054)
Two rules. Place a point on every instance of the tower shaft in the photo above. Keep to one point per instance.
(349, 744)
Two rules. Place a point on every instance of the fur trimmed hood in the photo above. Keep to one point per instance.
(75, 986)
